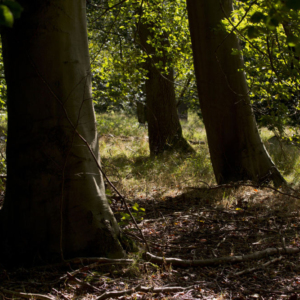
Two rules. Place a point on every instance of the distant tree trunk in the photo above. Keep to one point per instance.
(55, 203)
(182, 107)
(237, 152)
(182, 111)
(164, 129)
(141, 112)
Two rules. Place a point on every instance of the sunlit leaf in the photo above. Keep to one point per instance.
(6, 16)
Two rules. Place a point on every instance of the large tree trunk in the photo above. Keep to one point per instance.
(237, 152)
(55, 204)
(164, 129)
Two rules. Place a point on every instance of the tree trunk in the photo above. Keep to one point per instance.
(55, 204)
(164, 129)
(237, 152)
(141, 112)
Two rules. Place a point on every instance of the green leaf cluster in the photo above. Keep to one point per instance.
(270, 44)
(118, 60)
(9, 11)
(137, 212)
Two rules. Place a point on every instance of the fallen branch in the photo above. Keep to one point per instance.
(72, 278)
(259, 267)
(220, 260)
(60, 294)
(92, 261)
(27, 295)
(97, 261)
(144, 289)
(241, 183)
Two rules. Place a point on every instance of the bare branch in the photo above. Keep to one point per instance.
(220, 260)
(27, 295)
(144, 289)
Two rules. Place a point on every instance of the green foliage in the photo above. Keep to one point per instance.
(3, 94)
(9, 11)
(125, 159)
(269, 34)
(137, 212)
(117, 124)
(118, 59)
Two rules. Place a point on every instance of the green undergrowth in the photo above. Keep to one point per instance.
(284, 153)
(125, 157)
(3, 134)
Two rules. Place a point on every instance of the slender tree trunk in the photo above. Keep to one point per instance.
(55, 204)
(141, 112)
(164, 129)
(237, 152)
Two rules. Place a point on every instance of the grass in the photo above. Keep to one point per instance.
(125, 157)
(286, 156)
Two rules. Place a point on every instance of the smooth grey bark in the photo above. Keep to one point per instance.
(164, 129)
(55, 204)
(237, 152)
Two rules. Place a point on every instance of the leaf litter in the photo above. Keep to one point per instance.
(193, 225)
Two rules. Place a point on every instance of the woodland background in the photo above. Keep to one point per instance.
(189, 234)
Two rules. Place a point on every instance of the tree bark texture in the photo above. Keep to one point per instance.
(164, 129)
(55, 204)
(237, 152)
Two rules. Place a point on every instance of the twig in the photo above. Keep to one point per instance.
(97, 261)
(60, 294)
(259, 267)
(238, 184)
(220, 260)
(92, 261)
(144, 289)
(72, 278)
(90, 150)
(27, 295)
(91, 266)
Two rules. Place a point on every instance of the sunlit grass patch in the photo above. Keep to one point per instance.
(193, 129)
(125, 153)
(286, 156)
(119, 124)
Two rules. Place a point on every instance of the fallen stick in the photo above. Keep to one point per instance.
(27, 295)
(72, 278)
(220, 260)
(60, 294)
(98, 261)
(144, 289)
(259, 267)
(86, 260)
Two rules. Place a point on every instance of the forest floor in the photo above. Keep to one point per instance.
(198, 224)
(209, 231)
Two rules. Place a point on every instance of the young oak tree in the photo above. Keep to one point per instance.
(55, 205)
(237, 152)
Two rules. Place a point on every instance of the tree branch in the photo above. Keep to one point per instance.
(220, 260)
(144, 289)
(27, 295)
